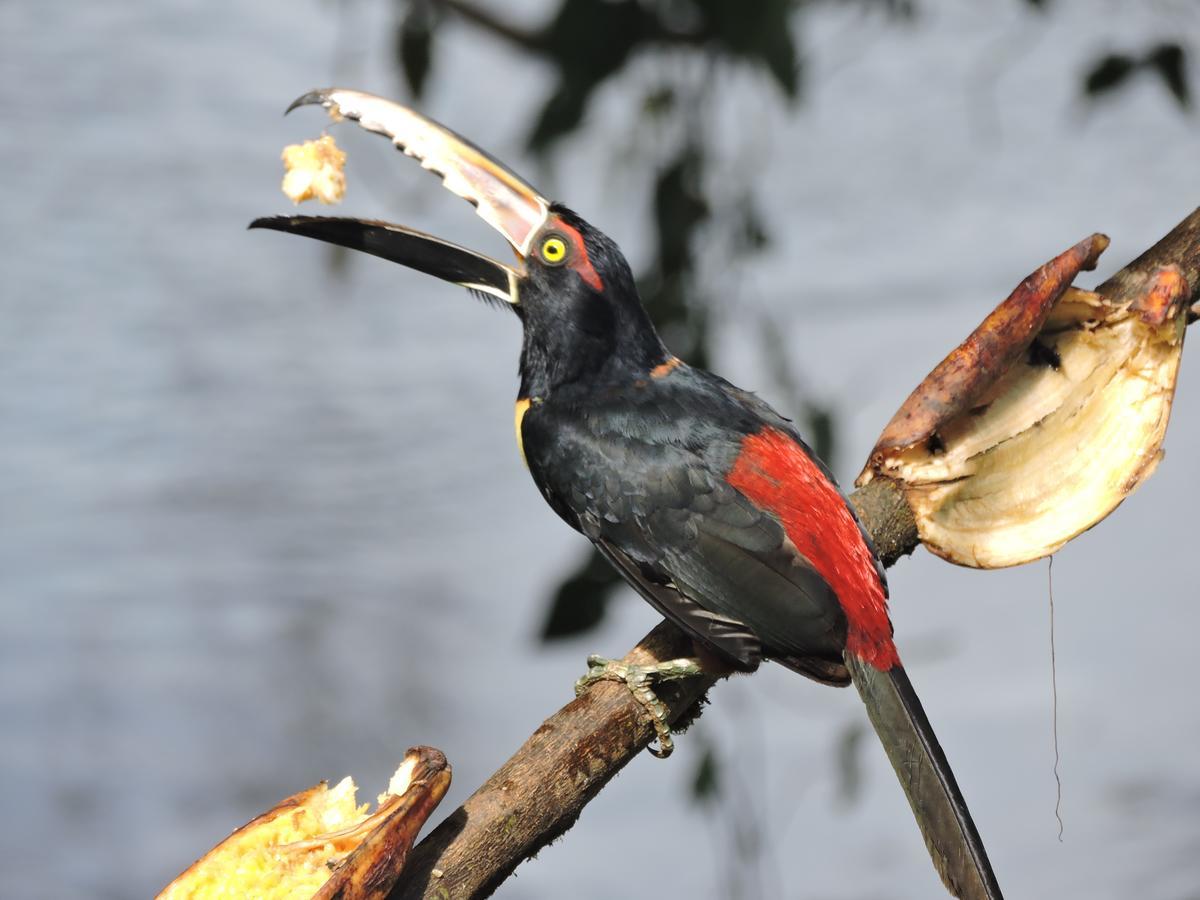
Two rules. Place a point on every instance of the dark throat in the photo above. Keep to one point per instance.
(586, 341)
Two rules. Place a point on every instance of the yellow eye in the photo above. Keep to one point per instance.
(554, 250)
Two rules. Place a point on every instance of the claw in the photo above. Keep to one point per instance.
(639, 680)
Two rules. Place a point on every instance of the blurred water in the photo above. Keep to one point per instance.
(262, 524)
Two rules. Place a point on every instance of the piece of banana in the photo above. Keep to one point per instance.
(314, 170)
(1043, 421)
(320, 843)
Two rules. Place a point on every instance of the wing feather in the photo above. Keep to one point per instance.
(654, 500)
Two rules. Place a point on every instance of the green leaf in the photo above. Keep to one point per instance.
(756, 29)
(680, 208)
(1107, 73)
(560, 115)
(588, 41)
(751, 235)
(848, 753)
(414, 46)
(821, 431)
(706, 784)
(581, 600)
(659, 102)
(1169, 60)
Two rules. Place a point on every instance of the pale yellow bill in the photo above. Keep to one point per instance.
(502, 199)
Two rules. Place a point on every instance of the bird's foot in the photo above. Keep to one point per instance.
(639, 680)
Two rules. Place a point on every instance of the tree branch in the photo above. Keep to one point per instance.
(539, 793)
(1181, 247)
(538, 40)
(523, 38)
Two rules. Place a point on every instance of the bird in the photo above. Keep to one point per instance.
(705, 500)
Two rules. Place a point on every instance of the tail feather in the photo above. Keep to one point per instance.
(954, 844)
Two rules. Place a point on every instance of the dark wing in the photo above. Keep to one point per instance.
(761, 409)
(735, 560)
(647, 485)
(732, 638)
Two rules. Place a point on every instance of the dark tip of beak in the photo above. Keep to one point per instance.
(312, 98)
(410, 248)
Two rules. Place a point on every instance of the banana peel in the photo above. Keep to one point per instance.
(319, 843)
(1038, 425)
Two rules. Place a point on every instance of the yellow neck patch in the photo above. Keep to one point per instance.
(522, 408)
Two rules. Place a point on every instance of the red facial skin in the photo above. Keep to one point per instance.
(580, 263)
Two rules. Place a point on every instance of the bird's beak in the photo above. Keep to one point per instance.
(504, 200)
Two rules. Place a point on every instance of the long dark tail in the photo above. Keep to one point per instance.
(921, 766)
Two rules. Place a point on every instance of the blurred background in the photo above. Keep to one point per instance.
(263, 522)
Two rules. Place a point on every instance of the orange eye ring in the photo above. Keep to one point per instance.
(554, 250)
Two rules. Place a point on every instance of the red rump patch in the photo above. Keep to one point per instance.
(581, 264)
(774, 472)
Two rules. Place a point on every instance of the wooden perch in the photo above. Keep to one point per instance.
(1181, 247)
(539, 793)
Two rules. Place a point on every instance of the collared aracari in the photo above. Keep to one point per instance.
(704, 499)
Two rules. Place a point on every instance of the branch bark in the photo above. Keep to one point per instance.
(523, 38)
(1180, 246)
(539, 793)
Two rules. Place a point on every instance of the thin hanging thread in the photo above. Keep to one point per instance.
(1054, 701)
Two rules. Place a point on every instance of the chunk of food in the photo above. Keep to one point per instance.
(320, 843)
(314, 170)
(1048, 416)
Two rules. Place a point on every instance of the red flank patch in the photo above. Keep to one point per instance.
(776, 473)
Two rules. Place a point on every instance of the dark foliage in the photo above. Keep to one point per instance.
(705, 780)
(579, 602)
(414, 45)
(1108, 72)
(1166, 61)
(1169, 60)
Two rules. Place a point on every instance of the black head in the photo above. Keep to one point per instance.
(572, 289)
(580, 309)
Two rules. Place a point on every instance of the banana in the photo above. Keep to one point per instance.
(320, 843)
(314, 170)
(1048, 416)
